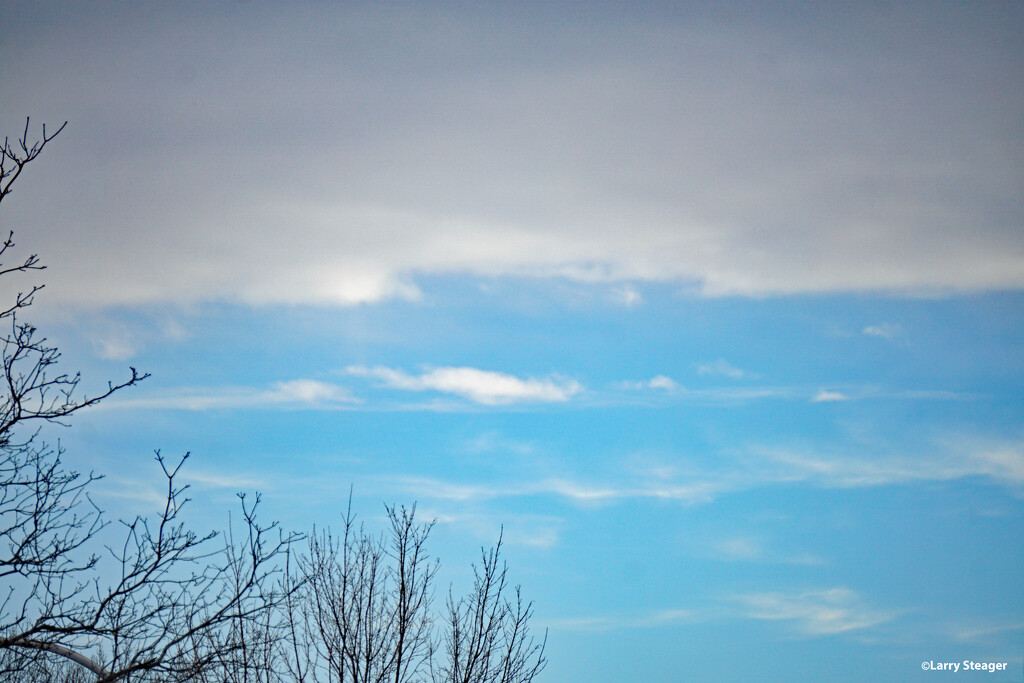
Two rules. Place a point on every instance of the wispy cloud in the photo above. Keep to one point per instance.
(523, 529)
(811, 613)
(883, 331)
(292, 394)
(116, 344)
(496, 442)
(664, 617)
(122, 339)
(817, 612)
(627, 295)
(571, 489)
(479, 386)
(658, 382)
(663, 382)
(760, 467)
(747, 393)
(1001, 460)
(308, 391)
(143, 496)
(825, 396)
(740, 549)
(747, 549)
(235, 481)
(946, 460)
(721, 367)
(137, 494)
(967, 633)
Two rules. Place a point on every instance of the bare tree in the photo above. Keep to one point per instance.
(167, 605)
(364, 614)
(364, 611)
(34, 666)
(173, 603)
(487, 636)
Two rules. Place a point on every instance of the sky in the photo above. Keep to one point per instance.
(714, 310)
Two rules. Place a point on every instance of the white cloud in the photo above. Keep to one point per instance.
(741, 548)
(658, 382)
(656, 619)
(307, 391)
(292, 394)
(999, 460)
(747, 549)
(690, 492)
(228, 480)
(817, 612)
(721, 367)
(663, 382)
(496, 442)
(480, 386)
(771, 183)
(813, 613)
(975, 632)
(430, 488)
(1003, 463)
(627, 295)
(114, 339)
(530, 530)
(142, 494)
(883, 331)
(945, 460)
(115, 346)
(824, 396)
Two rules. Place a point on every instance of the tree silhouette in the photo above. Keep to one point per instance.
(166, 604)
(172, 603)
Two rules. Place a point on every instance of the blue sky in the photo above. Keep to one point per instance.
(716, 312)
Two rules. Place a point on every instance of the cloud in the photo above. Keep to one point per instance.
(761, 467)
(975, 632)
(228, 480)
(309, 391)
(721, 367)
(816, 613)
(627, 295)
(998, 460)
(665, 617)
(689, 492)
(663, 382)
(658, 382)
(883, 331)
(948, 459)
(529, 530)
(813, 613)
(141, 494)
(495, 442)
(824, 396)
(711, 152)
(121, 339)
(746, 549)
(116, 345)
(292, 394)
(480, 386)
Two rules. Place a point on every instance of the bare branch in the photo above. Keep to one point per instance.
(488, 638)
(14, 157)
(166, 604)
(177, 603)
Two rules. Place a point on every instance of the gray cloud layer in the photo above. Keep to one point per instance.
(331, 154)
